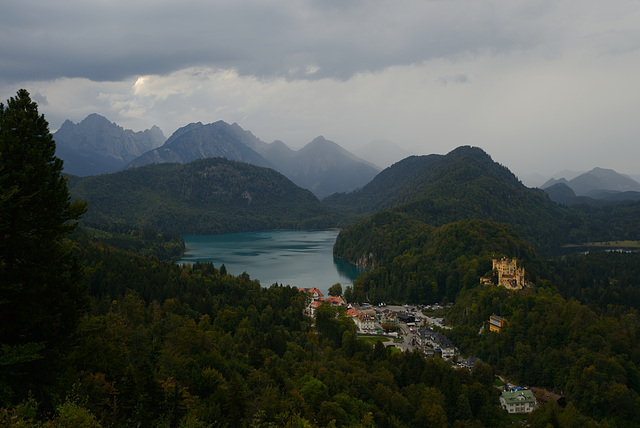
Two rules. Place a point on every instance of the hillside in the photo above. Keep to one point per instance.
(409, 261)
(202, 197)
(464, 184)
(98, 146)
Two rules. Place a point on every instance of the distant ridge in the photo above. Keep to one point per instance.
(322, 166)
(198, 141)
(98, 146)
(599, 183)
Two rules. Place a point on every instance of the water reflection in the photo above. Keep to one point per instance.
(297, 258)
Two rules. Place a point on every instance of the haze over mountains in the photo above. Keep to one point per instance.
(98, 146)
(322, 166)
(597, 184)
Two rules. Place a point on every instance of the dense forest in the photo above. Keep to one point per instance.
(99, 328)
(557, 343)
(207, 196)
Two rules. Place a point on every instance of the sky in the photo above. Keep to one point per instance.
(541, 85)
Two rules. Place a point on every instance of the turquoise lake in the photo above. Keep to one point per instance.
(297, 258)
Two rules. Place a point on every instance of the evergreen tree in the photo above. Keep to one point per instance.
(41, 287)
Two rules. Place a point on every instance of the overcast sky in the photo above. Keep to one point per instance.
(539, 85)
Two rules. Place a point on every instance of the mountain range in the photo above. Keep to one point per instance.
(322, 166)
(98, 146)
(593, 187)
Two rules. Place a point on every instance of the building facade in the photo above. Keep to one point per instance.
(509, 274)
(520, 401)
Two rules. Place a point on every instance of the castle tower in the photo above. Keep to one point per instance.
(509, 274)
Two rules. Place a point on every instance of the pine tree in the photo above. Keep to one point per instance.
(41, 284)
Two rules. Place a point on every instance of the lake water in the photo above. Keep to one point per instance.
(297, 258)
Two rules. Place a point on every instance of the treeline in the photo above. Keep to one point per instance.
(142, 241)
(169, 345)
(559, 344)
(412, 262)
(606, 281)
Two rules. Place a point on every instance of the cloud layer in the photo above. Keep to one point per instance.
(537, 84)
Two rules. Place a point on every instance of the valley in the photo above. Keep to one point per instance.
(102, 326)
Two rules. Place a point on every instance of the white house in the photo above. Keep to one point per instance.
(521, 401)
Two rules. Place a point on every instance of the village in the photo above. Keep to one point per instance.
(408, 328)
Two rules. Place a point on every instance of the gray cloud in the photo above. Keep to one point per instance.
(541, 85)
(109, 41)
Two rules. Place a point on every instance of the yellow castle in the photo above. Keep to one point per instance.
(509, 274)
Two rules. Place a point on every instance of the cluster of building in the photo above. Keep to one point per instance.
(370, 320)
(317, 299)
(433, 342)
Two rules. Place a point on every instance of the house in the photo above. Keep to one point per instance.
(315, 293)
(470, 362)
(518, 401)
(545, 396)
(366, 322)
(387, 317)
(313, 307)
(335, 301)
(438, 341)
(496, 323)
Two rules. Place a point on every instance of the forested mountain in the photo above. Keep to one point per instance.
(97, 146)
(207, 196)
(464, 184)
(321, 166)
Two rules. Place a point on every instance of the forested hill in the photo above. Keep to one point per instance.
(207, 196)
(464, 184)
(409, 261)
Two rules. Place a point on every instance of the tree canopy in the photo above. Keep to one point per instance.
(41, 287)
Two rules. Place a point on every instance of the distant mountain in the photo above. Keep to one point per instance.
(464, 184)
(553, 181)
(598, 183)
(198, 141)
(322, 166)
(561, 193)
(603, 179)
(206, 196)
(98, 146)
(382, 153)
